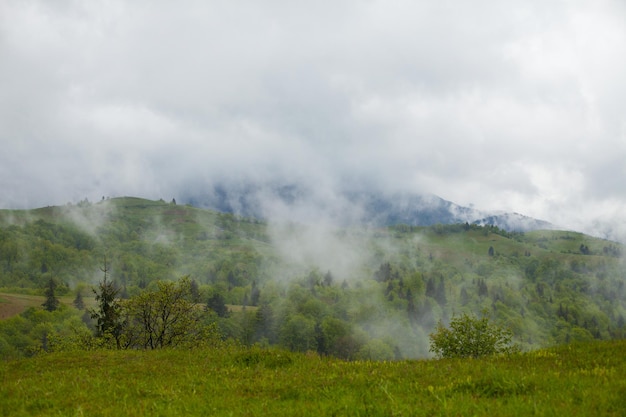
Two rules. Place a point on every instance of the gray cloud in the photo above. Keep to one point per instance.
(508, 107)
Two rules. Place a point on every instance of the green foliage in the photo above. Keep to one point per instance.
(37, 331)
(388, 284)
(162, 318)
(298, 334)
(79, 302)
(267, 358)
(52, 302)
(376, 350)
(470, 337)
(217, 304)
(581, 380)
(108, 314)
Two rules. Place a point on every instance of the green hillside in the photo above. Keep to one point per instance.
(577, 380)
(354, 293)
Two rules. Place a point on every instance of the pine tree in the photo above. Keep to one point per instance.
(108, 313)
(411, 307)
(194, 291)
(78, 302)
(483, 290)
(430, 288)
(255, 294)
(51, 303)
(328, 279)
(464, 296)
(218, 305)
(384, 272)
(440, 294)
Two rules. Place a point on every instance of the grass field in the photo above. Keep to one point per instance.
(573, 380)
(14, 304)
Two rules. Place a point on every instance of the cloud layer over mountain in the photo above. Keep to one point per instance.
(513, 107)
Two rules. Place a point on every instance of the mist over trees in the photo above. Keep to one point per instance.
(350, 293)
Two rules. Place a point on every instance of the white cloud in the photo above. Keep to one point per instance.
(515, 107)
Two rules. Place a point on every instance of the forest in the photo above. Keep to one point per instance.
(355, 293)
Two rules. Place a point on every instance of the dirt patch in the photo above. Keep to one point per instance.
(14, 304)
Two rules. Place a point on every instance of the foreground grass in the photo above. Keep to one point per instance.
(569, 380)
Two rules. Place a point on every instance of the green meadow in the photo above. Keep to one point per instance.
(574, 380)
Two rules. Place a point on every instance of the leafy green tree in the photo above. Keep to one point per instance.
(298, 334)
(162, 318)
(376, 350)
(51, 303)
(333, 331)
(471, 337)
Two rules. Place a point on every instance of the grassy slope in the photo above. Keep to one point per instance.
(570, 380)
(155, 221)
(13, 304)
(158, 240)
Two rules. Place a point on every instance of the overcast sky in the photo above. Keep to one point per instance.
(518, 106)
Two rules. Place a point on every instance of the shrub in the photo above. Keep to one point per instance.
(470, 337)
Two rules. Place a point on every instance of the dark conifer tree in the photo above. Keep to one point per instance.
(328, 279)
(384, 272)
(483, 291)
(78, 302)
(431, 290)
(411, 307)
(194, 291)
(216, 303)
(440, 294)
(108, 313)
(255, 294)
(265, 322)
(464, 296)
(51, 303)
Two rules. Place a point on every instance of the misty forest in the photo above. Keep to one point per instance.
(129, 273)
(355, 208)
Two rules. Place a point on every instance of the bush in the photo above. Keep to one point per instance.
(471, 337)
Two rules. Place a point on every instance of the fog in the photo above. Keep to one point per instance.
(516, 108)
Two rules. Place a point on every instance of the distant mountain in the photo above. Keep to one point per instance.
(515, 222)
(301, 203)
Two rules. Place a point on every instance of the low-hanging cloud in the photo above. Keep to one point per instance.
(517, 108)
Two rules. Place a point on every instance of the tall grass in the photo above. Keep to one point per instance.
(573, 380)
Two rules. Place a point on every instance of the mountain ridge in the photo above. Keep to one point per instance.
(349, 207)
(386, 286)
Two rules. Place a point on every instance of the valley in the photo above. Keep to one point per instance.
(339, 291)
